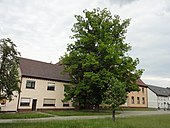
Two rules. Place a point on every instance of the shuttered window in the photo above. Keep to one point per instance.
(25, 102)
(49, 102)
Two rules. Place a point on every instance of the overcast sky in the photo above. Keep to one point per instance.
(41, 30)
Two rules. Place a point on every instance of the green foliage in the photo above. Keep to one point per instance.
(9, 77)
(115, 95)
(98, 62)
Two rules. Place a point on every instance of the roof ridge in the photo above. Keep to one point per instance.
(37, 61)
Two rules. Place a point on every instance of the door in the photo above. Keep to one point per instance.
(34, 104)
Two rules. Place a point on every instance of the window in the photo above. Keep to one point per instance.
(138, 100)
(65, 104)
(49, 102)
(143, 90)
(133, 100)
(143, 100)
(30, 84)
(25, 102)
(51, 86)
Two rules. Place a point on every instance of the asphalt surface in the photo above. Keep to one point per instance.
(123, 114)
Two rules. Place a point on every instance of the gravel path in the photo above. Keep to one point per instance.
(122, 115)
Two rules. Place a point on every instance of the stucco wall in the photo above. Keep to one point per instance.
(141, 94)
(152, 99)
(40, 92)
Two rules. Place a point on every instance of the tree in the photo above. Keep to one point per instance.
(98, 62)
(9, 77)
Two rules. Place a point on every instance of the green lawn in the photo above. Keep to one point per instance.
(137, 109)
(78, 113)
(159, 121)
(22, 115)
(51, 113)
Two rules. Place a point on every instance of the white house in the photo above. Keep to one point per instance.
(158, 97)
(42, 87)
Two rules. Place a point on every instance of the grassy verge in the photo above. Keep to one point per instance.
(22, 115)
(158, 121)
(78, 113)
(137, 109)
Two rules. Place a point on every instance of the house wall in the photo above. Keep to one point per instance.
(162, 102)
(11, 105)
(152, 99)
(159, 102)
(40, 93)
(141, 94)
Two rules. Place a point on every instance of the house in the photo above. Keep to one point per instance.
(42, 87)
(158, 97)
(137, 99)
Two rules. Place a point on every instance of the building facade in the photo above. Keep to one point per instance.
(158, 97)
(42, 87)
(138, 99)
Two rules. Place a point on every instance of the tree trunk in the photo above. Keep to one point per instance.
(113, 115)
(96, 109)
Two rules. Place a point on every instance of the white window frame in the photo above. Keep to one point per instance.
(30, 84)
(47, 102)
(25, 102)
(51, 86)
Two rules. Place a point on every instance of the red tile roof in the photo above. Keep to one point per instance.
(42, 70)
(140, 82)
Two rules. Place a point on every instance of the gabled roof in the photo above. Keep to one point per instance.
(140, 82)
(42, 70)
(159, 91)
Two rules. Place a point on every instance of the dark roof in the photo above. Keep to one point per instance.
(159, 91)
(140, 82)
(42, 70)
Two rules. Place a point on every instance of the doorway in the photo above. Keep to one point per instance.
(34, 104)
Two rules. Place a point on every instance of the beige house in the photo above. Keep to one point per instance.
(42, 87)
(138, 99)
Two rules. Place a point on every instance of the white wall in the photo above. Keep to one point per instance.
(162, 102)
(155, 101)
(152, 99)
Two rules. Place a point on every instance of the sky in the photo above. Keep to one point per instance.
(41, 29)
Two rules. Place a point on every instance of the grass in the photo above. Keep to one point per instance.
(137, 109)
(157, 121)
(22, 115)
(51, 113)
(78, 113)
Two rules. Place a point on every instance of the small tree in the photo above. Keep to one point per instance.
(115, 95)
(98, 62)
(9, 77)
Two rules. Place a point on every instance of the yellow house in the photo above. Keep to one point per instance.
(42, 87)
(138, 99)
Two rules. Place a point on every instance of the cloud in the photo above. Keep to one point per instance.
(41, 29)
(121, 2)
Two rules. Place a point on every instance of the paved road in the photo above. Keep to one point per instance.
(122, 115)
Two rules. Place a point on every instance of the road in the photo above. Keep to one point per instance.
(122, 115)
